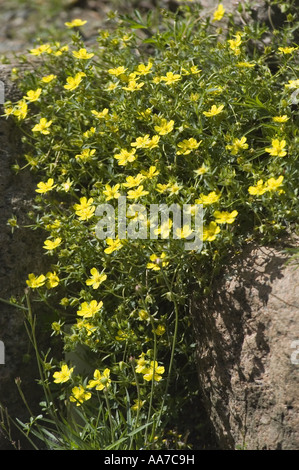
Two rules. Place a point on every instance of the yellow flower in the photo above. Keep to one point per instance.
(133, 86)
(88, 310)
(283, 118)
(152, 171)
(157, 261)
(66, 186)
(201, 171)
(210, 232)
(82, 54)
(235, 43)
(225, 217)
(74, 82)
(84, 210)
(218, 14)
(187, 145)
(64, 375)
(48, 78)
(213, 111)
(247, 65)
(211, 198)
(170, 78)
(117, 71)
(237, 145)
(258, 189)
(85, 155)
(141, 364)
(164, 127)
(141, 142)
(162, 188)
(51, 245)
(35, 282)
(100, 381)
(160, 330)
(132, 181)
(112, 192)
(96, 278)
(277, 149)
(53, 280)
(125, 156)
(154, 372)
(173, 188)
(292, 84)
(164, 229)
(79, 395)
(184, 232)
(138, 404)
(143, 315)
(273, 184)
(137, 193)
(45, 187)
(153, 142)
(287, 50)
(100, 114)
(75, 23)
(42, 126)
(33, 95)
(41, 49)
(113, 245)
(144, 69)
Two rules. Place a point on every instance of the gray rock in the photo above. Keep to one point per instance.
(248, 352)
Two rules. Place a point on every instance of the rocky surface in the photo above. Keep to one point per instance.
(248, 352)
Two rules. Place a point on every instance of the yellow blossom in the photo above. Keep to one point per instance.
(52, 280)
(41, 49)
(258, 189)
(154, 372)
(33, 95)
(237, 145)
(100, 381)
(218, 14)
(100, 114)
(84, 210)
(85, 155)
(156, 261)
(144, 69)
(225, 217)
(125, 156)
(42, 126)
(214, 110)
(138, 404)
(235, 43)
(79, 395)
(82, 54)
(152, 171)
(201, 171)
(277, 149)
(210, 232)
(137, 193)
(45, 187)
(133, 85)
(208, 199)
(96, 278)
(51, 245)
(283, 118)
(117, 71)
(293, 84)
(286, 50)
(35, 282)
(164, 127)
(273, 184)
(89, 309)
(183, 232)
(170, 78)
(113, 245)
(75, 23)
(111, 192)
(74, 82)
(48, 78)
(64, 375)
(132, 181)
(187, 145)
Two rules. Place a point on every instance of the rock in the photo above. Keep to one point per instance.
(248, 352)
(20, 254)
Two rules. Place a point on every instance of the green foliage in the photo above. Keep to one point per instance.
(175, 113)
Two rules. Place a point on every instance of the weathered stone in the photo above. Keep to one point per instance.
(20, 254)
(247, 357)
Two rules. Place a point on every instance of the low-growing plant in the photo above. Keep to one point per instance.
(186, 111)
